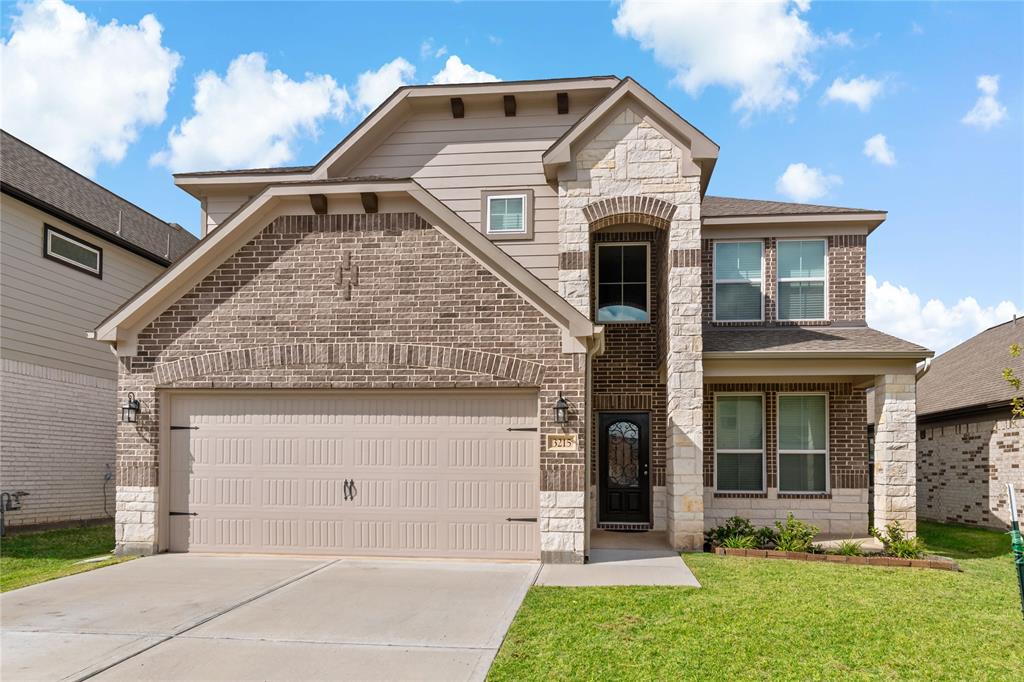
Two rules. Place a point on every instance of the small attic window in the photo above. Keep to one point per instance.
(507, 214)
(73, 252)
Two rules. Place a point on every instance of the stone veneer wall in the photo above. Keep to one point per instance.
(846, 271)
(843, 510)
(631, 165)
(895, 487)
(57, 432)
(279, 314)
(963, 467)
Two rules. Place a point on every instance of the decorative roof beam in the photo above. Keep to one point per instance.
(510, 105)
(369, 200)
(458, 108)
(319, 203)
(562, 99)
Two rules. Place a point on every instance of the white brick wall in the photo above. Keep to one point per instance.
(963, 469)
(56, 442)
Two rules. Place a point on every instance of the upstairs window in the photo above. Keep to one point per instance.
(622, 283)
(73, 252)
(739, 442)
(507, 214)
(738, 281)
(803, 443)
(801, 293)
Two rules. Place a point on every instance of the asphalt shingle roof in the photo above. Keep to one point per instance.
(721, 207)
(971, 374)
(27, 170)
(832, 339)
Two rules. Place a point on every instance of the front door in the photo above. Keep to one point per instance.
(625, 456)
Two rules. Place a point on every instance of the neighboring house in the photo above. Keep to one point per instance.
(494, 318)
(71, 252)
(968, 447)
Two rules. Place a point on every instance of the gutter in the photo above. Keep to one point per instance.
(95, 231)
(924, 369)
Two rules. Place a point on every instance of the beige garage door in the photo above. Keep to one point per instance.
(379, 474)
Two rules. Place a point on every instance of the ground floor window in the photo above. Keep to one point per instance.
(739, 442)
(803, 442)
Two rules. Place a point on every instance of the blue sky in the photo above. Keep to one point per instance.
(955, 192)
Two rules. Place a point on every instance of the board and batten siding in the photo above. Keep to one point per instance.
(58, 389)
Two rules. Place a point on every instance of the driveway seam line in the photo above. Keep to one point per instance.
(249, 600)
(339, 643)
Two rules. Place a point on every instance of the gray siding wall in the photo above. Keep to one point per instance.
(457, 159)
(58, 406)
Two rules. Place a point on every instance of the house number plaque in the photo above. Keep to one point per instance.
(561, 442)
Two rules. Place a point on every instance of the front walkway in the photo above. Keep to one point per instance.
(623, 559)
(187, 617)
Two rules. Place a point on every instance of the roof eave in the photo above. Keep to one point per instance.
(868, 221)
(820, 355)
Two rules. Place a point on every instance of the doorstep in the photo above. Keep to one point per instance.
(623, 559)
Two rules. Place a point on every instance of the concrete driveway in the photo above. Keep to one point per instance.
(192, 617)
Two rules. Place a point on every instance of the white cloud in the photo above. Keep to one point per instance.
(803, 183)
(860, 91)
(455, 71)
(897, 310)
(841, 39)
(759, 49)
(916, 28)
(373, 87)
(250, 117)
(988, 112)
(877, 147)
(81, 91)
(429, 49)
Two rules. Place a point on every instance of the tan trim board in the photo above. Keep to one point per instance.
(868, 221)
(782, 368)
(818, 355)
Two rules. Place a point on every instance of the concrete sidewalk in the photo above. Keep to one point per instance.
(240, 618)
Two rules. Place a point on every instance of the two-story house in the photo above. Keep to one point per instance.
(71, 252)
(495, 318)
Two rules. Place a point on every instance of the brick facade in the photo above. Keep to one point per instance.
(423, 314)
(963, 467)
(58, 443)
(846, 273)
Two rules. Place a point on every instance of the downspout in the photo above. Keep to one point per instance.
(923, 370)
(594, 348)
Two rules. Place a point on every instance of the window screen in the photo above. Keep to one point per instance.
(738, 281)
(802, 280)
(739, 443)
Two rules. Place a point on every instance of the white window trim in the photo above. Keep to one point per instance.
(715, 281)
(828, 438)
(51, 232)
(647, 281)
(492, 197)
(762, 451)
(823, 279)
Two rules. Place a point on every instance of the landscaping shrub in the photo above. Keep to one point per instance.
(737, 525)
(765, 538)
(795, 535)
(896, 543)
(740, 542)
(849, 548)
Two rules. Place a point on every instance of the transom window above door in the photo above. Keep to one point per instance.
(802, 276)
(739, 274)
(622, 283)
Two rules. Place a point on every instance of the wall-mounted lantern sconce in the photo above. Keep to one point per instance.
(130, 410)
(561, 410)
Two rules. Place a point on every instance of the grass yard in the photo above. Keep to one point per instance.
(770, 619)
(36, 557)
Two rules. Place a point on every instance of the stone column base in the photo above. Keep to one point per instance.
(561, 527)
(135, 522)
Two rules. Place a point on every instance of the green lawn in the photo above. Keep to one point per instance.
(770, 619)
(32, 558)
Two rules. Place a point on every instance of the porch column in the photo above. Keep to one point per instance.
(895, 471)
(684, 485)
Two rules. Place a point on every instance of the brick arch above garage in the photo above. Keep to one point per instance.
(474, 366)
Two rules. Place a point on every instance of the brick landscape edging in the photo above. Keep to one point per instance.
(941, 564)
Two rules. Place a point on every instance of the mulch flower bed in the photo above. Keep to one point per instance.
(934, 562)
